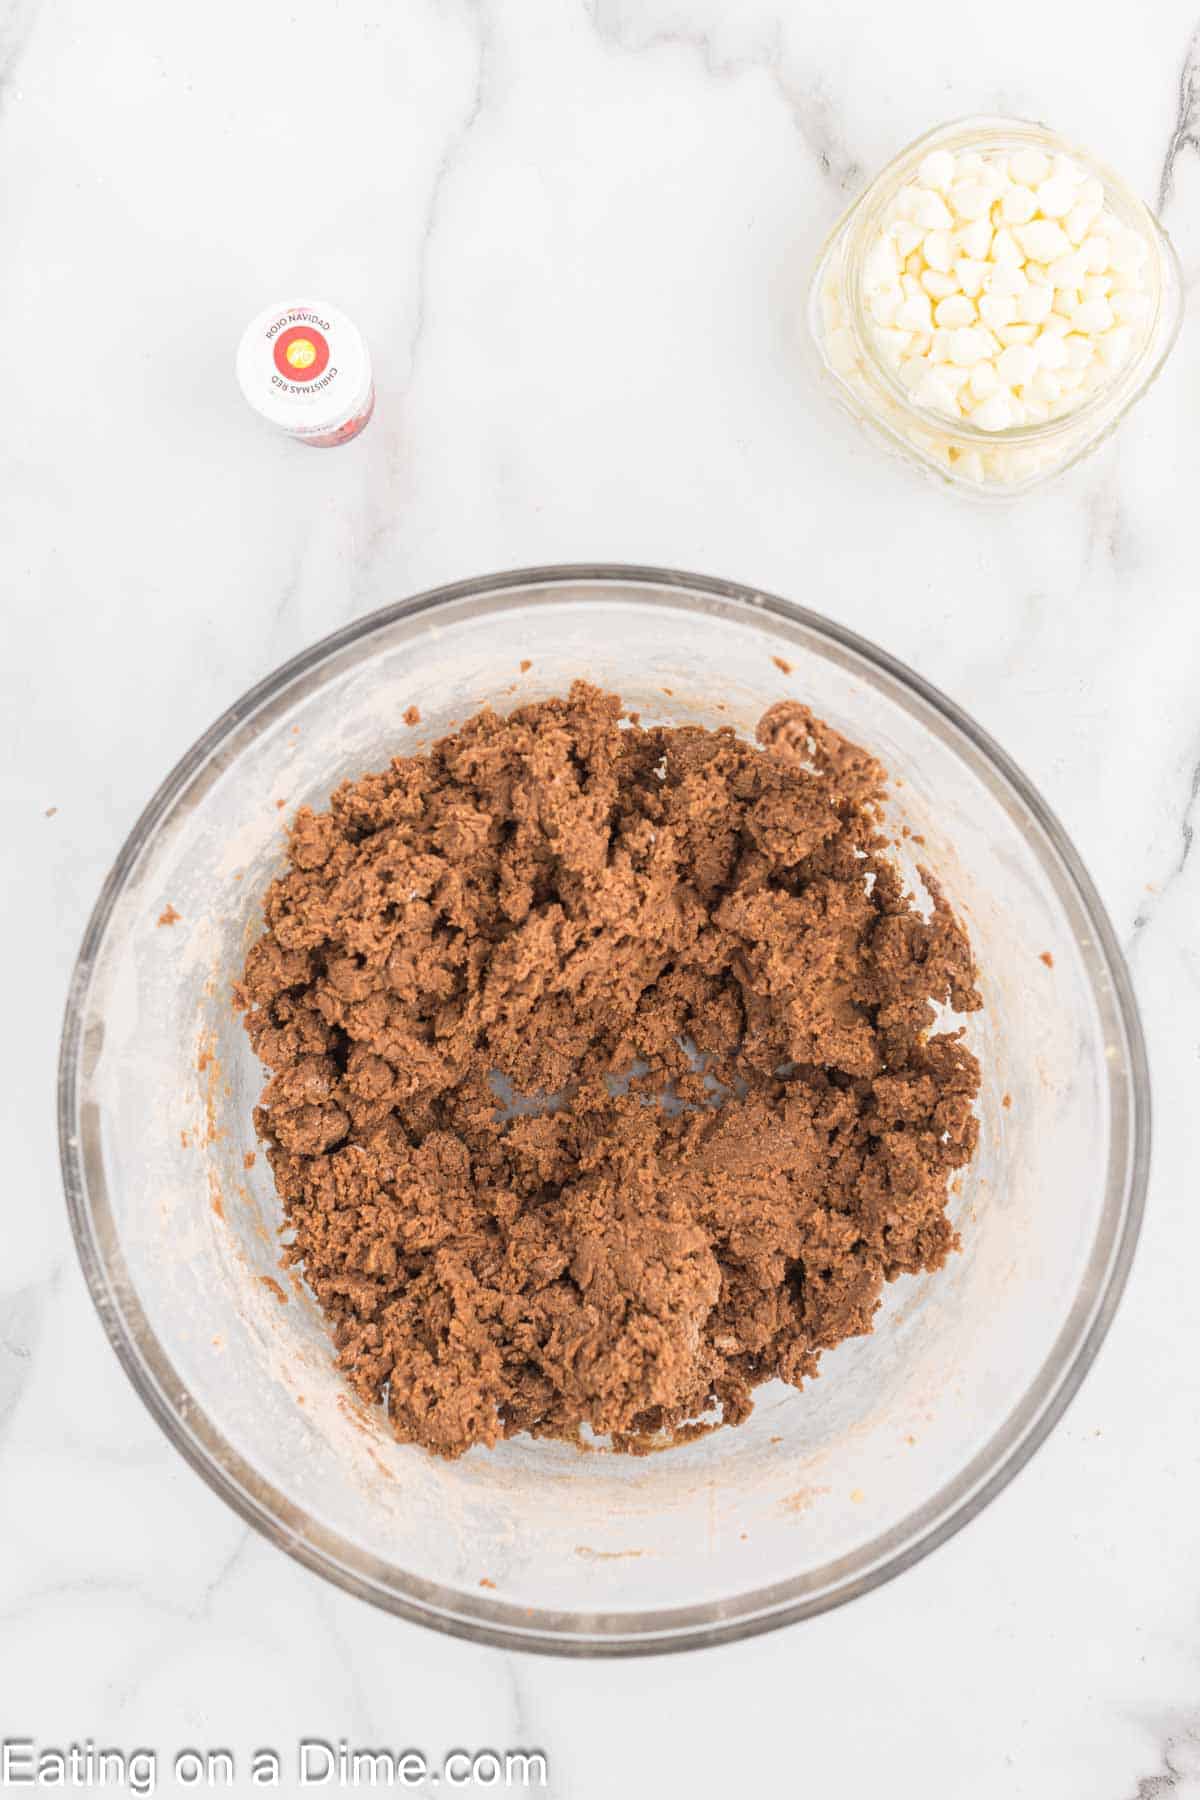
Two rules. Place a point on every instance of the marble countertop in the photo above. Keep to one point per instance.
(576, 237)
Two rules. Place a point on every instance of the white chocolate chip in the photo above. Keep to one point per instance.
(1006, 248)
(893, 342)
(937, 170)
(1016, 364)
(997, 309)
(1096, 252)
(1045, 386)
(970, 199)
(1051, 351)
(954, 311)
(1093, 316)
(930, 211)
(983, 380)
(968, 346)
(906, 236)
(1035, 304)
(1029, 167)
(1079, 221)
(975, 239)
(915, 313)
(971, 275)
(1056, 197)
(934, 391)
(1017, 205)
(1043, 240)
(1006, 279)
(1068, 271)
(995, 413)
(1115, 345)
(881, 263)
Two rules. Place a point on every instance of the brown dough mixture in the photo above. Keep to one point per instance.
(694, 965)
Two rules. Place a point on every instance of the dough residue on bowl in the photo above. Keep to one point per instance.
(606, 1084)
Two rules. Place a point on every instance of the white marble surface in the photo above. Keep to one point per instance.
(576, 237)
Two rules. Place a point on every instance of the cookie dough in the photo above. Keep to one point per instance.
(606, 1082)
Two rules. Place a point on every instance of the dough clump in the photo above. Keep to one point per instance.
(605, 1084)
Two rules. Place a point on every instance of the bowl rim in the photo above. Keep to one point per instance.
(494, 1621)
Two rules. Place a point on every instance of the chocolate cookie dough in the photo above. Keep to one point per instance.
(605, 1079)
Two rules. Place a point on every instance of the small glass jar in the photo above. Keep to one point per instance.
(990, 464)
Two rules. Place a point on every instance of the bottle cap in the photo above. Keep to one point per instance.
(304, 367)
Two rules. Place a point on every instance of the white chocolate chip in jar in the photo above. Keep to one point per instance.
(1019, 263)
(983, 292)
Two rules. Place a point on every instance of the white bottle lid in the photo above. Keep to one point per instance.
(303, 366)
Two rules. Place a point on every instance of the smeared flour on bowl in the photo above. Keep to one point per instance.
(606, 1085)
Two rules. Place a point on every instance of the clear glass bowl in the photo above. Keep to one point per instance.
(989, 464)
(822, 1493)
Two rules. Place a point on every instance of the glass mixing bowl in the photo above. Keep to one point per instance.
(822, 1493)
